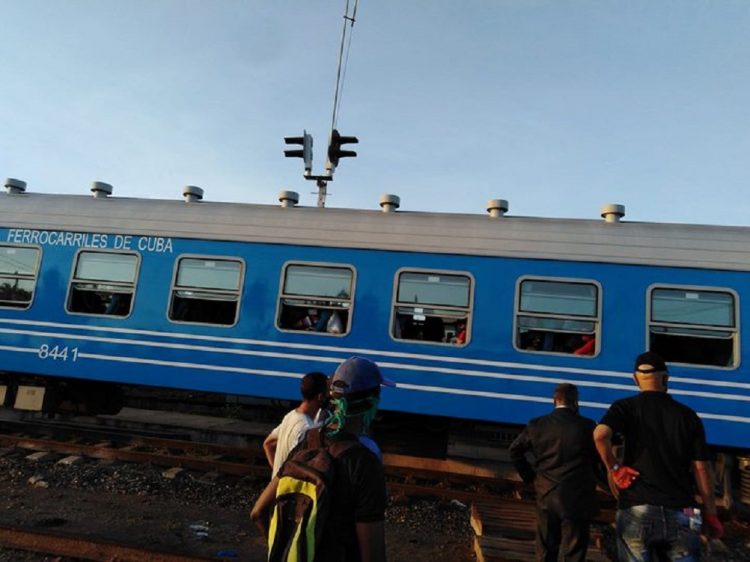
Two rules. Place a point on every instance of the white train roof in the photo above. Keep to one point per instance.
(701, 246)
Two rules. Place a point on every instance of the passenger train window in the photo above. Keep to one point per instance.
(206, 291)
(18, 269)
(556, 316)
(432, 307)
(316, 298)
(103, 283)
(694, 326)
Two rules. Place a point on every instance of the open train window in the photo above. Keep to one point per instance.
(557, 316)
(103, 283)
(432, 307)
(316, 298)
(18, 270)
(693, 326)
(206, 291)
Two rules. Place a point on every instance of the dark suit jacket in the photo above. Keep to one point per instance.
(565, 461)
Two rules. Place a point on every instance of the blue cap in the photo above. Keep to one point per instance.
(357, 374)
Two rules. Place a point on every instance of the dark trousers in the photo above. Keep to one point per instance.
(556, 537)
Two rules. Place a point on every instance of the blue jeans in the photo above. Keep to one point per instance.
(651, 533)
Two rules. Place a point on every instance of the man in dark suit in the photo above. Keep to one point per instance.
(564, 476)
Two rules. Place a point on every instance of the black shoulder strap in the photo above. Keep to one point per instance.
(314, 439)
(340, 447)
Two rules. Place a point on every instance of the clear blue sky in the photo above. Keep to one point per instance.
(558, 106)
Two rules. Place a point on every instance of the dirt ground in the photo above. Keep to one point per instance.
(207, 514)
(193, 513)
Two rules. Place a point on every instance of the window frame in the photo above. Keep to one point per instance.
(34, 277)
(207, 257)
(281, 295)
(598, 321)
(737, 353)
(429, 271)
(72, 279)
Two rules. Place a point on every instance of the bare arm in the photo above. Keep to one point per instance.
(371, 539)
(704, 480)
(269, 447)
(624, 476)
(603, 442)
(261, 512)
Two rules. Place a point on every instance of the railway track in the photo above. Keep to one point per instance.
(407, 475)
(503, 523)
(86, 548)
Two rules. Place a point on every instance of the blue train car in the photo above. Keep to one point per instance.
(475, 316)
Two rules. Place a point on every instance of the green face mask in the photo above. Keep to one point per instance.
(340, 413)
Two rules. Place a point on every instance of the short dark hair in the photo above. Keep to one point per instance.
(566, 393)
(313, 384)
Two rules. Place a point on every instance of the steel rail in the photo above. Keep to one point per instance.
(86, 548)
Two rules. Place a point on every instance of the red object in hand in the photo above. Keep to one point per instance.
(713, 527)
(624, 476)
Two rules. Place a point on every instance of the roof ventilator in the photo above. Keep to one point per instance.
(15, 186)
(389, 203)
(497, 207)
(192, 193)
(101, 189)
(612, 212)
(288, 198)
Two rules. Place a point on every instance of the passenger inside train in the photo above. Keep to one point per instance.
(303, 318)
(557, 342)
(438, 329)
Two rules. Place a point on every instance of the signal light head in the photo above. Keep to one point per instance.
(334, 148)
(305, 153)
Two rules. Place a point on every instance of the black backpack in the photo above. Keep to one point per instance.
(303, 499)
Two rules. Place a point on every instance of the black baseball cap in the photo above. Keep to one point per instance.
(650, 362)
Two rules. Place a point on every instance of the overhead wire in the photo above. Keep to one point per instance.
(345, 47)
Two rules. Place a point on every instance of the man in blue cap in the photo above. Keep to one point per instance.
(354, 530)
(357, 529)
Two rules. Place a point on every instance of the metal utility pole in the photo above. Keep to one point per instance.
(336, 140)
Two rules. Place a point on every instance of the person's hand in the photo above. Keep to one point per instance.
(713, 527)
(623, 476)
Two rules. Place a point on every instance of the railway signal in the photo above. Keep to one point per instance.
(334, 149)
(306, 153)
(334, 153)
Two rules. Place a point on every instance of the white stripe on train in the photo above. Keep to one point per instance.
(403, 386)
(350, 350)
(401, 366)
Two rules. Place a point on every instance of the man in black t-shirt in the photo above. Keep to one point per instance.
(354, 529)
(663, 442)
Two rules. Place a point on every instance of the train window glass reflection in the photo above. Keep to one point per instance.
(693, 326)
(18, 270)
(316, 298)
(103, 283)
(206, 291)
(554, 316)
(432, 307)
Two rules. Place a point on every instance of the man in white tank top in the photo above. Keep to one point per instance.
(292, 428)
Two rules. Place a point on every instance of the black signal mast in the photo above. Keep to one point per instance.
(336, 140)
